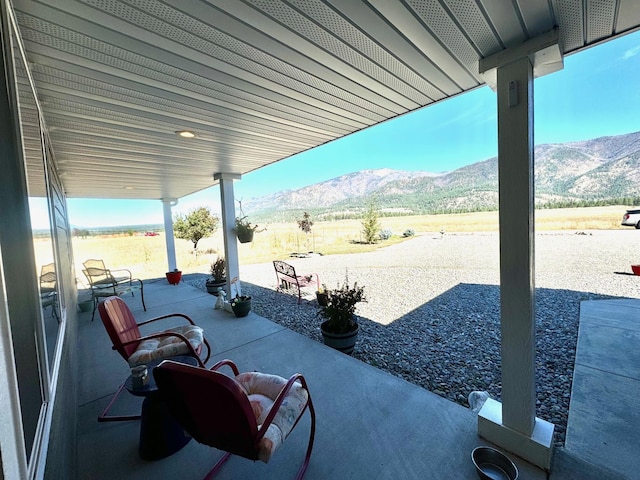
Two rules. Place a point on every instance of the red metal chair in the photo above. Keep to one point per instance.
(249, 414)
(138, 349)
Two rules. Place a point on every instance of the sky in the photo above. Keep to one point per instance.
(596, 94)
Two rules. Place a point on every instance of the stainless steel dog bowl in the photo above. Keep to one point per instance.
(493, 465)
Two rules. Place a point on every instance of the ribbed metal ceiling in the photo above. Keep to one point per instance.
(258, 80)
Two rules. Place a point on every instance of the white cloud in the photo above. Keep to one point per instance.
(632, 52)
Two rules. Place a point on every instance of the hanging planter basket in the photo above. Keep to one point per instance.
(245, 236)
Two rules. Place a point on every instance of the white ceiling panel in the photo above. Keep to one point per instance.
(258, 80)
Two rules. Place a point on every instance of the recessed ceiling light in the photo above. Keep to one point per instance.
(128, 187)
(186, 133)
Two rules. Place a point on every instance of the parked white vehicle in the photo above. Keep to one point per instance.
(632, 218)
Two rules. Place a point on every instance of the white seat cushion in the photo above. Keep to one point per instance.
(167, 346)
(262, 390)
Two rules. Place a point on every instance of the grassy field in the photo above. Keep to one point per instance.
(146, 256)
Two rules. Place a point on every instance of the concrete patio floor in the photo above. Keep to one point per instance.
(370, 424)
(604, 424)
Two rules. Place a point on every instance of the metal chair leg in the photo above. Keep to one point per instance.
(103, 417)
(217, 466)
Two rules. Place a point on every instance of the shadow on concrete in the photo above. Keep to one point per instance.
(451, 344)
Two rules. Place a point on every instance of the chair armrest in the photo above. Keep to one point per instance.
(296, 377)
(169, 315)
(166, 334)
(227, 362)
(308, 278)
(120, 270)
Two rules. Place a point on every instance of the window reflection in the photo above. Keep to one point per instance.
(48, 289)
(48, 281)
(40, 209)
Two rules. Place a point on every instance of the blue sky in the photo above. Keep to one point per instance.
(596, 94)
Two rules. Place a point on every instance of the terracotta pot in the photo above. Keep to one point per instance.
(174, 277)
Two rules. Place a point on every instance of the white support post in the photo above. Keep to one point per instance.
(227, 201)
(168, 232)
(513, 424)
(517, 298)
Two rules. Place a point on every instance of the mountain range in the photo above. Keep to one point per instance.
(592, 172)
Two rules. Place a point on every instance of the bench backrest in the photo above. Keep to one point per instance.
(284, 268)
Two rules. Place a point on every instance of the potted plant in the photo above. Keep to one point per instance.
(241, 305)
(340, 329)
(322, 295)
(218, 276)
(174, 277)
(244, 229)
(85, 303)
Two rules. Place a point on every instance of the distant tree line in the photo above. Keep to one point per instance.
(123, 229)
(600, 202)
(193, 229)
(439, 207)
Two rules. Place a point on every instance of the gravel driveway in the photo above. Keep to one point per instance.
(432, 315)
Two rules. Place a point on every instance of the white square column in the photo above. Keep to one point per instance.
(168, 233)
(513, 424)
(517, 269)
(227, 201)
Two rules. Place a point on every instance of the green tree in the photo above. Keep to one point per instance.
(195, 225)
(81, 232)
(370, 223)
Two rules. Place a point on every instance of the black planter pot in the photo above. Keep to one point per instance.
(344, 342)
(242, 308)
(245, 236)
(323, 299)
(213, 285)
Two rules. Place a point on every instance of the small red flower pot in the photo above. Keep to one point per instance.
(174, 277)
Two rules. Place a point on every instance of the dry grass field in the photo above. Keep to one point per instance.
(146, 256)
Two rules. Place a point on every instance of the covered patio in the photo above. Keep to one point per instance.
(99, 99)
(370, 424)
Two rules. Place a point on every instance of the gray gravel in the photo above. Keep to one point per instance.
(432, 315)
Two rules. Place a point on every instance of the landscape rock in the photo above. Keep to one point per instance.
(433, 310)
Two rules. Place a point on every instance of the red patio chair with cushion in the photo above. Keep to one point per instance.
(248, 414)
(138, 349)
